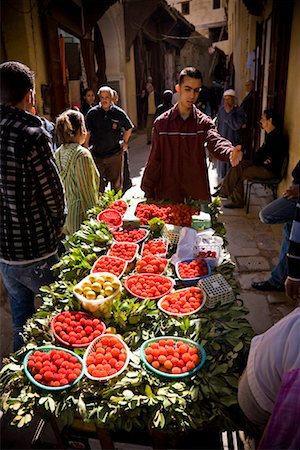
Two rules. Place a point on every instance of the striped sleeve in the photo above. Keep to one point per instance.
(88, 179)
(293, 255)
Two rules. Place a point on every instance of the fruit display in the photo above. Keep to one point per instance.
(172, 357)
(155, 247)
(135, 235)
(112, 218)
(182, 302)
(124, 250)
(76, 328)
(148, 285)
(120, 206)
(97, 291)
(113, 264)
(53, 367)
(151, 264)
(169, 213)
(106, 357)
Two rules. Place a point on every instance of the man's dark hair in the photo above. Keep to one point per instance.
(191, 72)
(272, 114)
(167, 96)
(16, 80)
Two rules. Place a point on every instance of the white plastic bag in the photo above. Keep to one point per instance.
(185, 246)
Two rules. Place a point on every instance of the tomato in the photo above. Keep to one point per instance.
(134, 235)
(151, 264)
(186, 359)
(120, 206)
(154, 247)
(107, 358)
(111, 264)
(58, 368)
(184, 301)
(148, 285)
(123, 250)
(170, 213)
(82, 328)
(192, 269)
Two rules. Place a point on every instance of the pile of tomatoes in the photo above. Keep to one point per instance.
(55, 368)
(151, 264)
(134, 235)
(116, 265)
(192, 269)
(175, 214)
(148, 285)
(184, 301)
(75, 328)
(120, 206)
(154, 247)
(173, 357)
(107, 358)
(123, 250)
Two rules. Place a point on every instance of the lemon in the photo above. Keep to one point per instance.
(91, 295)
(109, 290)
(86, 290)
(111, 330)
(96, 286)
(92, 278)
(78, 290)
(115, 284)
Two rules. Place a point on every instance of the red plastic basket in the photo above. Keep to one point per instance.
(112, 218)
(135, 285)
(76, 316)
(112, 264)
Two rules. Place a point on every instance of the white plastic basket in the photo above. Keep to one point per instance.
(171, 233)
(92, 348)
(217, 290)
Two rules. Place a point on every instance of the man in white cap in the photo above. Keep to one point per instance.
(229, 122)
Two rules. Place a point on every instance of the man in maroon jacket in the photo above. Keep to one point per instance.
(176, 169)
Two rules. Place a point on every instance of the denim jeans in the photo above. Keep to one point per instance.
(22, 283)
(280, 210)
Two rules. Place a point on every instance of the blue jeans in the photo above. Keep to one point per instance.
(280, 210)
(22, 283)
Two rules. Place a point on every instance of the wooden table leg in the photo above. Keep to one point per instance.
(105, 438)
(159, 440)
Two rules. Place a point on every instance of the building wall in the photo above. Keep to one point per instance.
(291, 117)
(23, 41)
(202, 16)
(242, 40)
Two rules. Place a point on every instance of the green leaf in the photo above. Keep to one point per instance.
(148, 391)
(238, 347)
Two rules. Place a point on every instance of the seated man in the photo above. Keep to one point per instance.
(267, 162)
(281, 210)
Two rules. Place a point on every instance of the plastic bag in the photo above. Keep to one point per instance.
(185, 246)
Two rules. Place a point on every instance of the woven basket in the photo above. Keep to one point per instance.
(217, 290)
(92, 348)
(171, 233)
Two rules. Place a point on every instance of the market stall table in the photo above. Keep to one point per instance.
(138, 398)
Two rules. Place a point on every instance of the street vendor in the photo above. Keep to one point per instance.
(176, 169)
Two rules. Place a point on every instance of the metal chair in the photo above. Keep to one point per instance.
(271, 183)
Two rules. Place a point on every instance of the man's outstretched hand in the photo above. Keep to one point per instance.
(236, 155)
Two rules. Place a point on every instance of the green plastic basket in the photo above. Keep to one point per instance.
(201, 353)
(47, 349)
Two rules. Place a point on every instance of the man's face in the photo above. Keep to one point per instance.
(229, 101)
(188, 92)
(105, 100)
(264, 122)
(90, 97)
